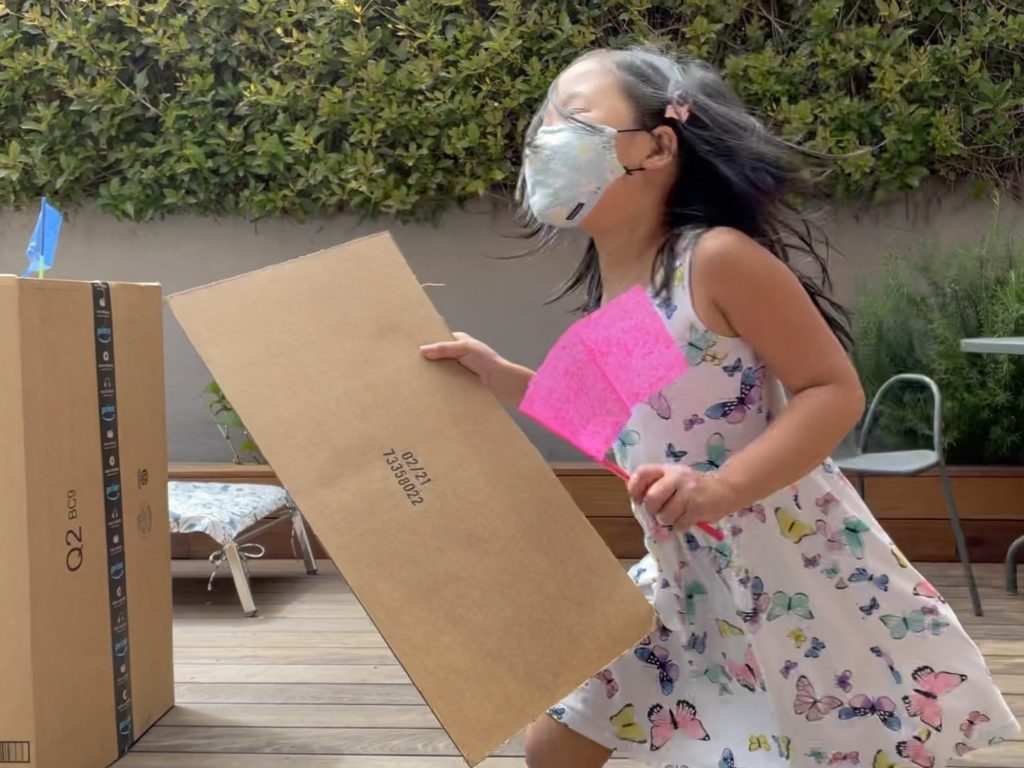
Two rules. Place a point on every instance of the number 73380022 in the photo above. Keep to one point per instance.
(410, 474)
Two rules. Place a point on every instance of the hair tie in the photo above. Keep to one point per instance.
(680, 112)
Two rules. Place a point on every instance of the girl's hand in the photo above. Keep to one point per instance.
(681, 497)
(506, 380)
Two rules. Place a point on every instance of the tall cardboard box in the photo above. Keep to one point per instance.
(85, 590)
(485, 579)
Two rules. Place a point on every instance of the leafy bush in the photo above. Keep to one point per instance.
(912, 318)
(386, 107)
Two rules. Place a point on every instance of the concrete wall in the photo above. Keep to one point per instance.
(501, 302)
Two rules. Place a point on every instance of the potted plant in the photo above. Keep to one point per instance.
(243, 448)
(911, 317)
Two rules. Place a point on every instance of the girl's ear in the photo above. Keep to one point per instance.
(665, 149)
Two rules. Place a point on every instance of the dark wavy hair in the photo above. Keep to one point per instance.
(733, 173)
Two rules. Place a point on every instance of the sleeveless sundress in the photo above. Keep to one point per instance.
(803, 639)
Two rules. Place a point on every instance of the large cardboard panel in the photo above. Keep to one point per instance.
(485, 579)
(98, 579)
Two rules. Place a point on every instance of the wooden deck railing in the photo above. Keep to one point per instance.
(991, 502)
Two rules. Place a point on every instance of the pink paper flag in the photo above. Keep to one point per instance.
(601, 369)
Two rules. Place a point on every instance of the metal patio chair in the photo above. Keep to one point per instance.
(907, 463)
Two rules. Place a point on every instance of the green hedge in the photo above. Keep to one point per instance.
(387, 107)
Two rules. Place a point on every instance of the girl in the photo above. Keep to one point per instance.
(805, 638)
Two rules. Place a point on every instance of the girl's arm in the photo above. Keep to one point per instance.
(741, 289)
(510, 383)
(507, 380)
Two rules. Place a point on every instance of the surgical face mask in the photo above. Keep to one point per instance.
(567, 169)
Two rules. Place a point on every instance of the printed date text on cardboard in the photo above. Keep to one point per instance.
(412, 477)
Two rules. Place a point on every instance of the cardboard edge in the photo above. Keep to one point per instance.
(146, 730)
(469, 760)
(474, 760)
(170, 300)
(52, 282)
(653, 625)
(34, 705)
(145, 305)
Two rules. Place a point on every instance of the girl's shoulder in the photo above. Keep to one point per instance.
(710, 265)
(701, 244)
(716, 241)
(721, 243)
(704, 262)
(720, 259)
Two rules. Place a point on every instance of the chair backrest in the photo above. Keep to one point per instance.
(914, 379)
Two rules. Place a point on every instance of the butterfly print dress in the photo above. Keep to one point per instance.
(805, 638)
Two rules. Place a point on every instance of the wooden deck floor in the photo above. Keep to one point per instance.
(310, 682)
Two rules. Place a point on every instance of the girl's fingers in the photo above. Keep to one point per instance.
(686, 491)
(689, 484)
(673, 511)
(444, 350)
(659, 493)
(642, 479)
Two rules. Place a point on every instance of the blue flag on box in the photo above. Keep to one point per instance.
(43, 244)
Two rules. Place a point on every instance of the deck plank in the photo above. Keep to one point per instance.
(301, 674)
(290, 693)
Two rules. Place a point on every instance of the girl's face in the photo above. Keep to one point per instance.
(591, 91)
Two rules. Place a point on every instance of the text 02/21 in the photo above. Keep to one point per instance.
(411, 475)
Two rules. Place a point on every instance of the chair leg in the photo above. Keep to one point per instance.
(1012, 554)
(241, 578)
(302, 536)
(961, 541)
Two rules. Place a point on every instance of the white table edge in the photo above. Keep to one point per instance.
(996, 346)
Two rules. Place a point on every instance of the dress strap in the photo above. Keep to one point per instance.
(688, 240)
(683, 268)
